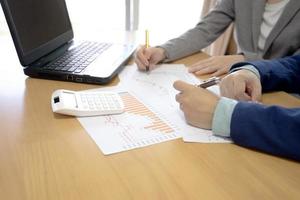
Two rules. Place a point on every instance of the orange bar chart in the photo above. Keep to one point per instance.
(134, 106)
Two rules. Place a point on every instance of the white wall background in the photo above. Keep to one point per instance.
(98, 14)
(165, 19)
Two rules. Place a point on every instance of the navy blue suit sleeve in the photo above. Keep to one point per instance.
(271, 129)
(281, 74)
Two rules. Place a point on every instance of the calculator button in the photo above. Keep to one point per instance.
(101, 102)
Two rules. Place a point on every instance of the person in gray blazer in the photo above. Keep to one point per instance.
(264, 29)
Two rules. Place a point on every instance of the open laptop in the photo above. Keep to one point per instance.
(43, 37)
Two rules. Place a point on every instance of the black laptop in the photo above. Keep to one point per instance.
(43, 37)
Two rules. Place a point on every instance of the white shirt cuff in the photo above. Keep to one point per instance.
(222, 117)
(247, 67)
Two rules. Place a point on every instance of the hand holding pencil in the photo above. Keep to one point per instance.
(146, 57)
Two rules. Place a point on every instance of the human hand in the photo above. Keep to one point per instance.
(149, 57)
(217, 65)
(241, 85)
(197, 104)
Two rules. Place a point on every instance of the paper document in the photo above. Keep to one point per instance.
(138, 126)
(156, 89)
(151, 115)
(158, 83)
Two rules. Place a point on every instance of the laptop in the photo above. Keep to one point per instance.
(43, 38)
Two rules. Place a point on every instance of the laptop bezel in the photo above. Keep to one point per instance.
(35, 54)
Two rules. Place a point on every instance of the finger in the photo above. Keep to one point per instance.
(202, 62)
(140, 51)
(240, 91)
(153, 63)
(208, 70)
(195, 68)
(178, 97)
(256, 93)
(198, 66)
(181, 86)
(142, 60)
(143, 56)
(140, 65)
(220, 71)
(147, 53)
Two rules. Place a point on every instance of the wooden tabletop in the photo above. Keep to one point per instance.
(47, 156)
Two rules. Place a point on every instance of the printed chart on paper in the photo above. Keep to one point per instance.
(156, 89)
(151, 113)
(138, 126)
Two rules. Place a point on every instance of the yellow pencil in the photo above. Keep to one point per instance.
(147, 44)
(147, 38)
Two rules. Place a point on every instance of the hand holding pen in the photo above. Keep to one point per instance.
(196, 103)
(148, 57)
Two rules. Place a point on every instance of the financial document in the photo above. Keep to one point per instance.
(151, 115)
(138, 126)
(156, 89)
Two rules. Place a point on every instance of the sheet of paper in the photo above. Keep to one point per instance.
(156, 89)
(151, 112)
(158, 83)
(138, 126)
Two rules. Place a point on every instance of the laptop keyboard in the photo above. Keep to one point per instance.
(78, 58)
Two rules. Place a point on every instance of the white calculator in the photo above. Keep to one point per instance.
(86, 103)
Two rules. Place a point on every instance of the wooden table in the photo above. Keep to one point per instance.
(47, 156)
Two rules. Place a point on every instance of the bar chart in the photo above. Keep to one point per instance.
(138, 126)
(133, 106)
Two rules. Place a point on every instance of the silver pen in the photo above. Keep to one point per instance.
(209, 82)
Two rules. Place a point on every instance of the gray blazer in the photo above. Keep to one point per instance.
(284, 39)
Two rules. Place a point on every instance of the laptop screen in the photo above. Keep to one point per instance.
(37, 22)
(38, 27)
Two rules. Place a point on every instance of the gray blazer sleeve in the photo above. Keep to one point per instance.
(205, 32)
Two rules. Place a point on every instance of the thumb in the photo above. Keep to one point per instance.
(182, 86)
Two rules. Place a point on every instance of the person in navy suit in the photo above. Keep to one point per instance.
(271, 129)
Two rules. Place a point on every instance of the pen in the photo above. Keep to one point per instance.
(209, 82)
(147, 44)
